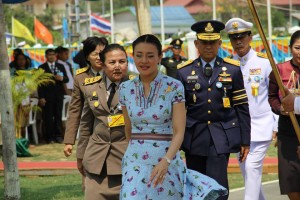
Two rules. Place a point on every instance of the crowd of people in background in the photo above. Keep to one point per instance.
(131, 128)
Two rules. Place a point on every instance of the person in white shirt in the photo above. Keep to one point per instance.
(256, 69)
(62, 58)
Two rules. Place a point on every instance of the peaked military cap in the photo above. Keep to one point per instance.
(176, 43)
(237, 27)
(208, 29)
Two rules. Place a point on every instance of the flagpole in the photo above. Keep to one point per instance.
(64, 40)
(112, 21)
(34, 19)
(89, 11)
(162, 23)
(12, 31)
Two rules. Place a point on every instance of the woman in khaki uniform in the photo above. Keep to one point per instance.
(102, 151)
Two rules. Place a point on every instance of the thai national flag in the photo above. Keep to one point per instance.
(99, 24)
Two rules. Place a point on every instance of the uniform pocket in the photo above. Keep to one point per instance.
(233, 134)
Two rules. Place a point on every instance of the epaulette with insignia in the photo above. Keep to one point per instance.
(88, 81)
(80, 71)
(233, 62)
(262, 55)
(230, 56)
(131, 76)
(184, 64)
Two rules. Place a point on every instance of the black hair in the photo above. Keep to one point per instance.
(148, 38)
(27, 59)
(61, 49)
(109, 48)
(17, 51)
(91, 43)
(49, 51)
(295, 36)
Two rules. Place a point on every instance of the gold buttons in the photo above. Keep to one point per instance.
(209, 122)
(209, 112)
(233, 124)
(209, 101)
(209, 89)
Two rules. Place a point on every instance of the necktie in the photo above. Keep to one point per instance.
(52, 68)
(98, 74)
(207, 70)
(111, 94)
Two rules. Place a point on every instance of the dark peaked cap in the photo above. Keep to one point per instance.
(176, 43)
(208, 29)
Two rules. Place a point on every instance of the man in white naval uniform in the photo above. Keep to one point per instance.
(256, 69)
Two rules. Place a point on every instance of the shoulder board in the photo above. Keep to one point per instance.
(131, 76)
(233, 62)
(262, 55)
(88, 81)
(80, 71)
(230, 56)
(184, 64)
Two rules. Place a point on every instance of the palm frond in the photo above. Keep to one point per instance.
(23, 85)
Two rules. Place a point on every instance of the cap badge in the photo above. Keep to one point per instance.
(209, 28)
(235, 25)
(177, 42)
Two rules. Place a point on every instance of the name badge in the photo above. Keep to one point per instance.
(192, 79)
(115, 120)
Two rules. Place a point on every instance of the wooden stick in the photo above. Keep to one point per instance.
(273, 65)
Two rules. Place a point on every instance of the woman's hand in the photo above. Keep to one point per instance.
(159, 172)
(283, 112)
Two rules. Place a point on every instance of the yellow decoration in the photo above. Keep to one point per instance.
(233, 62)
(184, 64)
(209, 28)
(80, 71)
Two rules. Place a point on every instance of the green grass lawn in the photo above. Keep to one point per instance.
(48, 187)
(69, 186)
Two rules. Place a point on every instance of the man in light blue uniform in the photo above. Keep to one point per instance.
(256, 69)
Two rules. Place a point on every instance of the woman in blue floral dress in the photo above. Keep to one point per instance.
(154, 114)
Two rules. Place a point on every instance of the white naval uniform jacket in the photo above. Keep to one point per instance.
(256, 69)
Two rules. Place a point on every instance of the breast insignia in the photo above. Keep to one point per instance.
(184, 64)
(88, 81)
(262, 55)
(233, 62)
(80, 71)
(131, 76)
(230, 56)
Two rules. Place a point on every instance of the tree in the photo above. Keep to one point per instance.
(11, 175)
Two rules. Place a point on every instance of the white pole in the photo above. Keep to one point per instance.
(35, 38)
(269, 23)
(214, 10)
(290, 6)
(89, 22)
(112, 21)
(12, 32)
(162, 23)
(77, 12)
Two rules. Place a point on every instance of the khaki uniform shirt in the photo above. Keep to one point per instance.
(76, 105)
(106, 145)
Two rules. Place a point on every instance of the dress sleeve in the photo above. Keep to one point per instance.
(122, 96)
(178, 93)
(274, 99)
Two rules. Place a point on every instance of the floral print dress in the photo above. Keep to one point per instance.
(153, 114)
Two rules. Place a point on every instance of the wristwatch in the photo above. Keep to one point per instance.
(167, 159)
